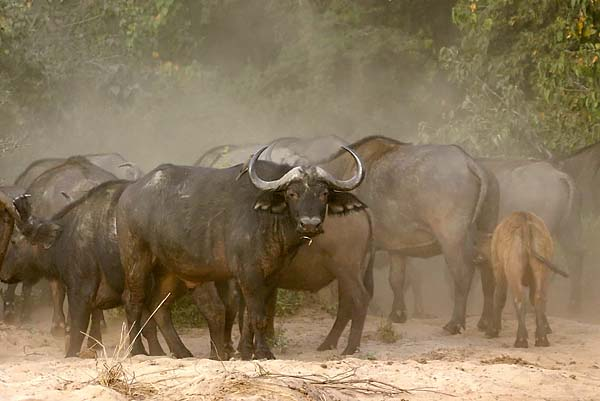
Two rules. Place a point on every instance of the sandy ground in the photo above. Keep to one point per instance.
(424, 359)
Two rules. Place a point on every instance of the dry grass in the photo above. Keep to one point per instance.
(386, 333)
(111, 372)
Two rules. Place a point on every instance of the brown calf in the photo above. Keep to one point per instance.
(521, 250)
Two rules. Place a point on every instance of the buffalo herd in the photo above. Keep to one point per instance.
(296, 214)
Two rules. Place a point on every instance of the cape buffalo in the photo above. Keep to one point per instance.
(78, 246)
(111, 162)
(521, 251)
(583, 166)
(14, 209)
(331, 256)
(51, 192)
(426, 200)
(290, 151)
(114, 163)
(201, 224)
(551, 194)
(344, 252)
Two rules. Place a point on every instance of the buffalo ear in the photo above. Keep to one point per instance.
(45, 234)
(344, 202)
(272, 202)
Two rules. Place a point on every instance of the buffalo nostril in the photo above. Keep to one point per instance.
(310, 223)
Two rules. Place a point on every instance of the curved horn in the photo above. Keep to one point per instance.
(295, 173)
(126, 164)
(344, 185)
(9, 203)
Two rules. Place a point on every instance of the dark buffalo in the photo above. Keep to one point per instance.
(342, 252)
(14, 209)
(79, 247)
(51, 192)
(114, 163)
(426, 200)
(111, 162)
(202, 224)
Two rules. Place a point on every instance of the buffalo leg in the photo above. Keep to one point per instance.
(397, 278)
(231, 299)
(166, 285)
(459, 262)
(271, 308)
(487, 284)
(575, 262)
(95, 335)
(212, 308)
(256, 292)
(414, 280)
(137, 265)
(539, 302)
(150, 333)
(518, 291)
(26, 290)
(343, 316)
(58, 299)
(500, 291)
(360, 298)
(9, 303)
(79, 311)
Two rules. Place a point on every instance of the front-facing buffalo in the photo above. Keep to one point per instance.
(202, 224)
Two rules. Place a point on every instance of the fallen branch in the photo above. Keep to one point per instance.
(345, 381)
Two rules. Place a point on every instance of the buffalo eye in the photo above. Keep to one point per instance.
(323, 195)
(292, 195)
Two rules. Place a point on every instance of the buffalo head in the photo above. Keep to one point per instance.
(307, 194)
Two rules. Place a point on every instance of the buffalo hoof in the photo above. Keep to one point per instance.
(264, 354)
(492, 333)
(327, 346)
(138, 349)
(542, 341)
(398, 317)
(483, 324)
(229, 349)
(245, 353)
(521, 343)
(548, 328)
(453, 327)
(156, 350)
(58, 330)
(182, 353)
(350, 350)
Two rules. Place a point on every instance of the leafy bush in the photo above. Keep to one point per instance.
(185, 313)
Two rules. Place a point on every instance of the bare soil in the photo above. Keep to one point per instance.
(425, 361)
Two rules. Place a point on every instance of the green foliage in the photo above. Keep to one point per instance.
(184, 313)
(529, 73)
(289, 302)
(499, 77)
(279, 341)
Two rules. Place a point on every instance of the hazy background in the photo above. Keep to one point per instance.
(165, 80)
